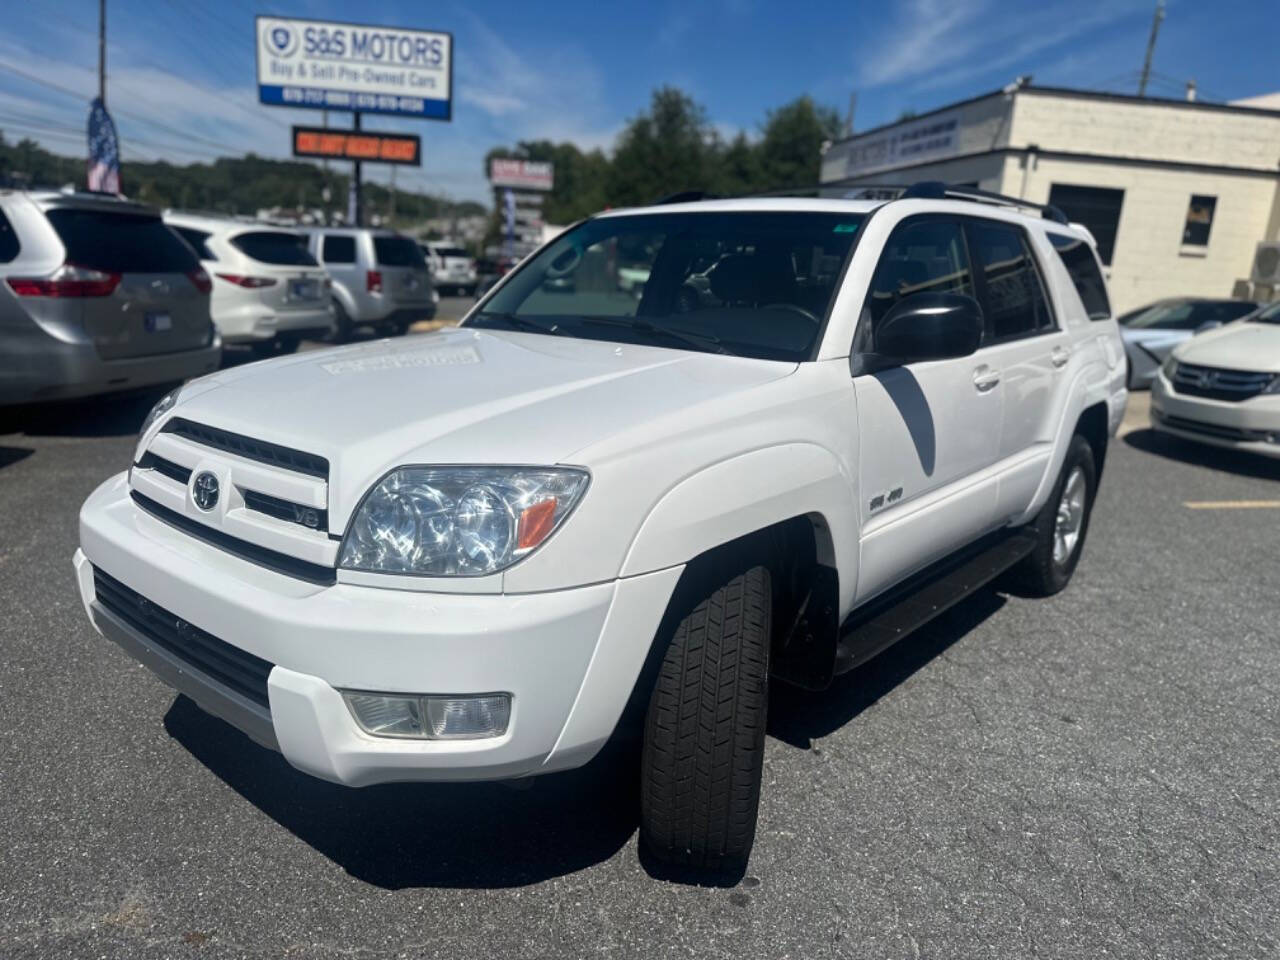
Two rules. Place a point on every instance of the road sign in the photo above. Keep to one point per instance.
(326, 65)
(522, 174)
(329, 144)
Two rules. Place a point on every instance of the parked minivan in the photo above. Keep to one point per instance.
(268, 291)
(98, 295)
(380, 279)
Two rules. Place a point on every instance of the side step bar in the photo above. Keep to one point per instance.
(886, 620)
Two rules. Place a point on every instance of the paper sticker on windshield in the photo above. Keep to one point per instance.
(845, 228)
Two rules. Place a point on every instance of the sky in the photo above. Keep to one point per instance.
(181, 79)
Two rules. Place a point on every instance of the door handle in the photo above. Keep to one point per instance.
(985, 379)
(1060, 356)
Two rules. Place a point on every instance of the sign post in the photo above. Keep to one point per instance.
(519, 186)
(330, 65)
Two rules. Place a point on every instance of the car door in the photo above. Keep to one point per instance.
(1024, 343)
(929, 432)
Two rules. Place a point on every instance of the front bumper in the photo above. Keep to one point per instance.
(1251, 425)
(569, 658)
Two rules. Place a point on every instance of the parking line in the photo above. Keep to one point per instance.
(1232, 504)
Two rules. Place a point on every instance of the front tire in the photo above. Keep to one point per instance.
(342, 325)
(704, 731)
(1060, 527)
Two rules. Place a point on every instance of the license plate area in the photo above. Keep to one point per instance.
(157, 322)
(304, 289)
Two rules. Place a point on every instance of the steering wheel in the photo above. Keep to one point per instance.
(794, 308)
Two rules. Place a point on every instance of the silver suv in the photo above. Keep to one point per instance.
(380, 279)
(98, 295)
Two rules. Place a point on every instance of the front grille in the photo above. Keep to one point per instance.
(234, 668)
(260, 450)
(262, 556)
(1216, 383)
(168, 468)
(312, 518)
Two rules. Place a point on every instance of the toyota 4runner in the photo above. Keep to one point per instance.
(479, 553)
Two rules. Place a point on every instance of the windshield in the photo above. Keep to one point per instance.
(1269, 314)
(752, 284)
(451, 252)
(279, 248)
(397, 252)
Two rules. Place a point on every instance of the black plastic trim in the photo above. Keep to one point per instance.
(249, 448)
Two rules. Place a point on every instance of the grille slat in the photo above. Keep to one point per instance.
(313, 518)
(168, 468)
(260, 450)
(237, 669)
(1217, 383)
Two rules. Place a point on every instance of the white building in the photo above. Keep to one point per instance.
(1178, 193)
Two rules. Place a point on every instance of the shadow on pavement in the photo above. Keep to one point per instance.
(1204, 455)
(461, 835)
(489, 835)
(107, 416)
(11, 455)
(798, 717)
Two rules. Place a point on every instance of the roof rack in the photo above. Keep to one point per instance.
(937, 190)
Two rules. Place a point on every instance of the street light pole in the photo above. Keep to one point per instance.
(102, 51)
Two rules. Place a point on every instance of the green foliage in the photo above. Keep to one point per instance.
(241, 185)
(673, 147)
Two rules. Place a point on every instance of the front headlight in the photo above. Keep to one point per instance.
(458, 521)
(1168, 367)
(163, 406)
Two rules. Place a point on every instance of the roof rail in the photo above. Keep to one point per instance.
(937, 190)
(684, 196)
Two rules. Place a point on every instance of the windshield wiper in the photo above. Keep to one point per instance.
(521, 323)
(700, 341)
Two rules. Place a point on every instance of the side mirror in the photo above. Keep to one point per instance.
(929, 326)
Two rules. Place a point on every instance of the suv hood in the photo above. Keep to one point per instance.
(1246, 345)
(460, 396)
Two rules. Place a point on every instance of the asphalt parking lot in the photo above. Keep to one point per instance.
(1093, 775)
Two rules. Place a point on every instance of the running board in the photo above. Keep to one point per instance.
(888, 619)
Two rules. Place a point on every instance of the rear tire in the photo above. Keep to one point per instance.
(277, 347)
(704, 731)
(342, 325)
(1060, 527)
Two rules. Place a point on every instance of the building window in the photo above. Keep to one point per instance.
(1098, 208)
(1199, 221)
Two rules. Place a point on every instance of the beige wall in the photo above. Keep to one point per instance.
(1150, 261)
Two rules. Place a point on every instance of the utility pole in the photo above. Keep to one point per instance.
(848, 117)
(1151, 49)
(102, 51)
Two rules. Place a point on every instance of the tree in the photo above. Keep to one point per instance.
(790, 150)
(668, 149)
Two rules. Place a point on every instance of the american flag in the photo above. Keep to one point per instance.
(104, 150)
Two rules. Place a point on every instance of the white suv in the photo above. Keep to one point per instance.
(483, 553)
(268, 291)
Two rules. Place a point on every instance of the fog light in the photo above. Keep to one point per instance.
(387, 716)
(431, 717)
(467, 718)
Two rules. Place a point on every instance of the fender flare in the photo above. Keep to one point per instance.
(747, 493)
(1084, 393)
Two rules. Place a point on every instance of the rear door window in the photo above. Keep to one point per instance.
(121, 242)
(196, 241)
(274, 247)
(1015, 304)
(339, 249)
(397, 252)
(1082, 266)
(8, 240)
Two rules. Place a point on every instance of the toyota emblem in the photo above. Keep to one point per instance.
(204, 490)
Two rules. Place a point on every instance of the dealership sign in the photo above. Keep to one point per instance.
(930, 138)
(342, 66)
(327, 144)
(521, 174)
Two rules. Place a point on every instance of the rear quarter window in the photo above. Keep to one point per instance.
(275, 247)
(1082, 266)
(9, 245)
(196, 241)
(121, 242)
(397, 252)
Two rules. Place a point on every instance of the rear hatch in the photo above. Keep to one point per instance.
(455, 264)
(285, 274)
(158, 299)
(405, 277)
